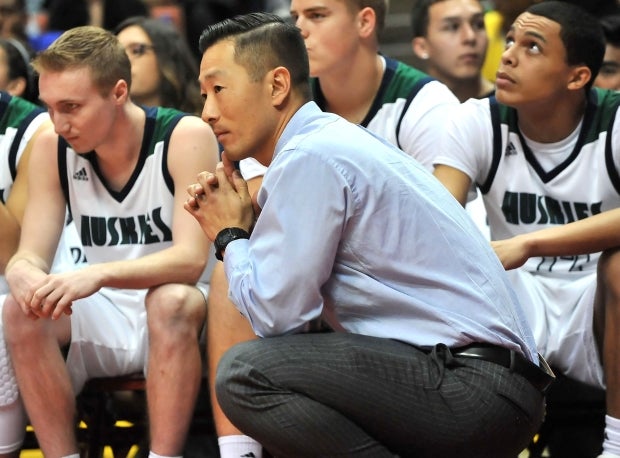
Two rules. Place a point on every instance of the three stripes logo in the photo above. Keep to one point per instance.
(81, 175)
(510, 150)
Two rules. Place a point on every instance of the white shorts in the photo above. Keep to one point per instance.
(109, 335)
(560, 312)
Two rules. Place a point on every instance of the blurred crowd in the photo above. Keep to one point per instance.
(39, 22)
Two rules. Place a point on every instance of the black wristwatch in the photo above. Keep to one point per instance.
(225, 236)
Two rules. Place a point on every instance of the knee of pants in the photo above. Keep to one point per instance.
(232, 373)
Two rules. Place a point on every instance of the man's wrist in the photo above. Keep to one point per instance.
(225, 236)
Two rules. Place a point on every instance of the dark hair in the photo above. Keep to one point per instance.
(18, 62)
(611, 29)
(580, 32)
(178, 68)
(262, 42)
(419, 17)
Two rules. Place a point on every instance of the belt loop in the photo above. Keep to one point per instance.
(440, 355)
(512, 360)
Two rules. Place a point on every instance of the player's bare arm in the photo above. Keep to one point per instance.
(27, 269)
(457, 182)
(589, 235)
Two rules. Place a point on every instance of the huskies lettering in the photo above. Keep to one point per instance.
(527, 208)
(141, 229)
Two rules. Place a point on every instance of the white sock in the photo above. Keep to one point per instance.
(239, 446)
(155, 455)
(611, 444)
(74, 455)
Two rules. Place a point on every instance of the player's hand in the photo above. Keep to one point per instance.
(24, 279)
(511, 252)
(55, 295)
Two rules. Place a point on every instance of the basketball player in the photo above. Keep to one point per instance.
(546, 153)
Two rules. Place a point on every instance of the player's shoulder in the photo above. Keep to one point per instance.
(190, 121)
(191, 132)
(405, 81)
(478, 107)
(473, 114)
(45, 132)
(404, 76)
(191, 126)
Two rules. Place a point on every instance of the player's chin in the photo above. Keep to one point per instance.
(77, 146)
(507, 97)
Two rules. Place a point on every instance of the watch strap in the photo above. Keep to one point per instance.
(225, 236)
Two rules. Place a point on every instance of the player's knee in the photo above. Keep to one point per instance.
(175, 307)
(14, 321)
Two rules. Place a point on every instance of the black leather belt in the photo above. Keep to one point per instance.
(539, 376)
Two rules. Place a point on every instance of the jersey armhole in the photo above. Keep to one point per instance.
(414, 91)
(497, 145)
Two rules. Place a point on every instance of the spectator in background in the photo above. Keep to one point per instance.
(13, 22)
(55, 16)
(13, 19)
(450, 38)
(16, 75)
(200, 13)
(163, 69)
(66, 14)
(609, 74)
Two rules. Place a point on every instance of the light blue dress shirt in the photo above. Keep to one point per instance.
(355, 231)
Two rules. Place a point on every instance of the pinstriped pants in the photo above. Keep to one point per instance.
(336, 394)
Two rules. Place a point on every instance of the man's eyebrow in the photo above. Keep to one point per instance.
(457, 17)
(531, 33)
(314, 9)
(536, 35)
(212, 73)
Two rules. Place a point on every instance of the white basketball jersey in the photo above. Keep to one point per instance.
(136, 221)
(520, 194)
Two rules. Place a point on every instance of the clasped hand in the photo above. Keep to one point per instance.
(220, 200)
(42, 295)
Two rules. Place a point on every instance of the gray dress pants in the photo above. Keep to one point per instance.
(337, 394)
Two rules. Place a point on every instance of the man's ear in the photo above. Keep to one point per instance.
(280, 85)
(579, 77)
(120, 91)
(420, 47)
(367, 22)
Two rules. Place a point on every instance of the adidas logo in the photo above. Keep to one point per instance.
(510, 150)
(80, 175)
